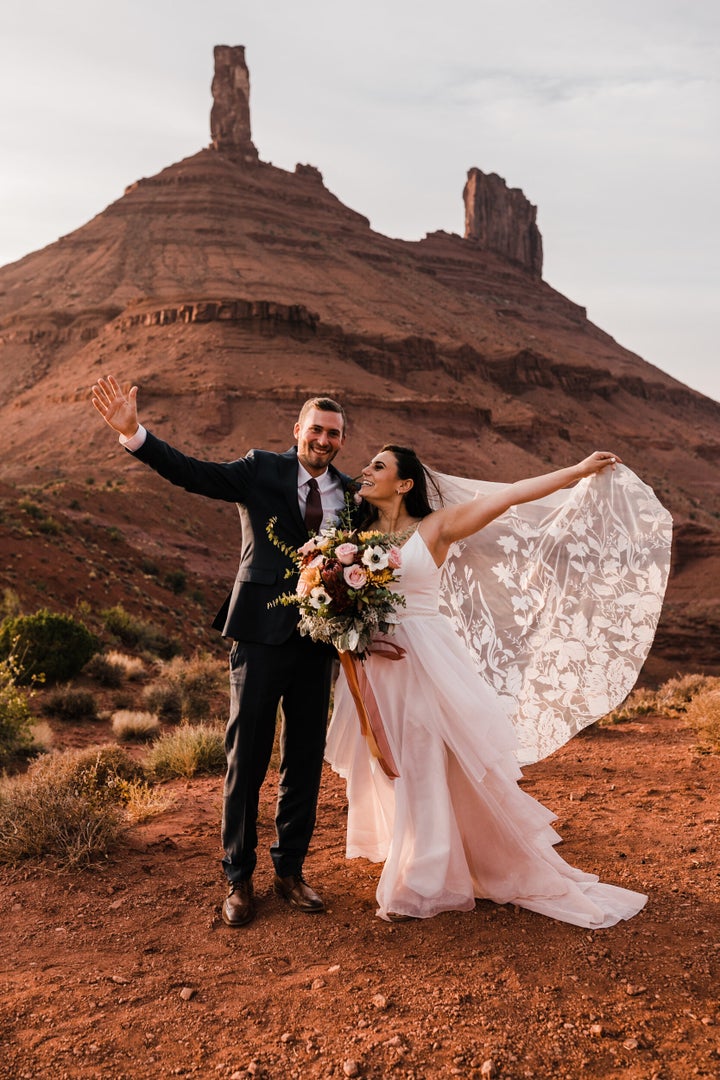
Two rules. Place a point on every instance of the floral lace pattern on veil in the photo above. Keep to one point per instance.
(558, 600)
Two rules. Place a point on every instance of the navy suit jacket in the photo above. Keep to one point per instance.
(264, 485)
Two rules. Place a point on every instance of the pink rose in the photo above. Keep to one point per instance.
(345, 553)
(394, 557)
(308, 547)
(354, 576)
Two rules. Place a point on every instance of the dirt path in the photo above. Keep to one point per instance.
(127, 971)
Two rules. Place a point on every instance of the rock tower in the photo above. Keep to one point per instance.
(501, 219)
(230, 114)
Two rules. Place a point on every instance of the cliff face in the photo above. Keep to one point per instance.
(230, 291)
(502, 220)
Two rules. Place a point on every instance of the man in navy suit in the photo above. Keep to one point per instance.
(269, 660)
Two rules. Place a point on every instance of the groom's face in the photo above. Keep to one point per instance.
(319, 436)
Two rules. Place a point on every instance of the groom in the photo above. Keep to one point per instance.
(269, 660)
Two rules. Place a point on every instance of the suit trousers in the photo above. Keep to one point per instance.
(299, 673)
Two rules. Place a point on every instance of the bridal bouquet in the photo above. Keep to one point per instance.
(343, 590)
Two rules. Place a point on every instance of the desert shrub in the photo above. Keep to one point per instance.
(111, 668)
(187, 751)
(191, 689)
(675, 695)
(102, 669)
(165, 698)
(128, 724)
(132, 666)
(135, 633)
(15, 716)
(639, 702)
(71, 703)
(73, 806)
(703, 715)
(67, 805)
(48, 644)
(176, 581)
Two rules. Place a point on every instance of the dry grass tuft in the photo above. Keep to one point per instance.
(703, 715)
(42, 736)
(189, 689)
(132, 667)
(639, 702)
(72, 806)
(187, 751)
(128, 724)
(113, 668)
(695, 696)
(70, 703)
(675, 695)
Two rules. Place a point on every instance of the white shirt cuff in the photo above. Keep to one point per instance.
(135, 441)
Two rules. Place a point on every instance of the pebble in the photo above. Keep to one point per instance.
(333, 969)
(596, 1030)
(317, 984)
(380, 1001)
(351, 1067)
(631, 1044)
(633, 991)
(488, 1068)
(187, 993)
(286, 1037)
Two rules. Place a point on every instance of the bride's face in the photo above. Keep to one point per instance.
(380, 478)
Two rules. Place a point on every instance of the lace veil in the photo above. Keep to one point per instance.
(558, 599)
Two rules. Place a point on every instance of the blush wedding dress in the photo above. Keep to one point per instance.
(528, 632)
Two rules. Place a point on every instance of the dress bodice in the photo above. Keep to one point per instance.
(419, 581)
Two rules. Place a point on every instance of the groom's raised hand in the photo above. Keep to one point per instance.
(116, 408)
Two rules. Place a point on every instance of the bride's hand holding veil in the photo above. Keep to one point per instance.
(452, 523)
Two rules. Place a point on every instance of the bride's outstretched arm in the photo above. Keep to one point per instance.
(452, 523)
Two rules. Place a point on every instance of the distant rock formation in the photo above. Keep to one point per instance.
(230, 114)
(502, 220)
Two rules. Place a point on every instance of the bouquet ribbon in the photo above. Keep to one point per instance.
(371, 724)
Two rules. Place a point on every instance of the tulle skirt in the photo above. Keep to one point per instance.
(456, 825)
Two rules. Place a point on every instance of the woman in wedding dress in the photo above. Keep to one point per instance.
(454, 825)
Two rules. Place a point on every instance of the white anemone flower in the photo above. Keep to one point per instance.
(375, 557)
(319, 597)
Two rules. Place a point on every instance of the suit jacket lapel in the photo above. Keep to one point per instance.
(288, 466)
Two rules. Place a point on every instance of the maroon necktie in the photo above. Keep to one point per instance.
(313, 507)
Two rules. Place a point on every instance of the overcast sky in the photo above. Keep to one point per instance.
(605, 112)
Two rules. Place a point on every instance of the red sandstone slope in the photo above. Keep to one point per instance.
(230, 290)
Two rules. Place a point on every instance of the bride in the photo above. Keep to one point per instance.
(472, 697)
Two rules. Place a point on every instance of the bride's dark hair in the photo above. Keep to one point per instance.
(410, 467)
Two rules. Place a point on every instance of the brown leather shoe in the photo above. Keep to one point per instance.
(298, 893)
(239, 906)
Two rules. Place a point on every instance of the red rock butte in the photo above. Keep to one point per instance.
(230, 290)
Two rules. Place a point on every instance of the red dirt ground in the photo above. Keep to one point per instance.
(127, 971)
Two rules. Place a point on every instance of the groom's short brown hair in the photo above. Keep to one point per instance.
(325, 404)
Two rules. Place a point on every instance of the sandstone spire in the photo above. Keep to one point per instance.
(230, 114)
(502, 219)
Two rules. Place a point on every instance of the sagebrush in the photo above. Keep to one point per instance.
(46, 644)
